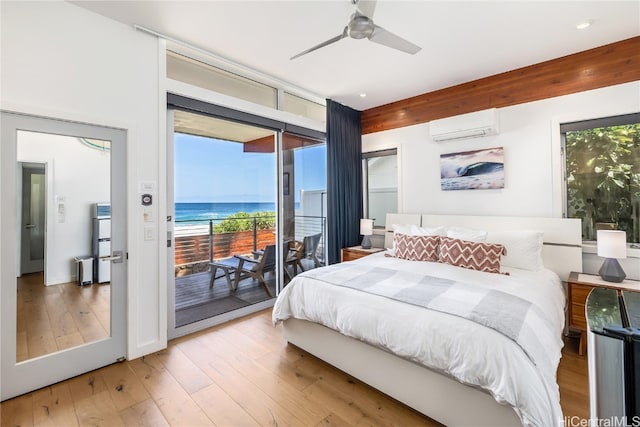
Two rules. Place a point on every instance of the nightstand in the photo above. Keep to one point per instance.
(355, 252)
(578, 287)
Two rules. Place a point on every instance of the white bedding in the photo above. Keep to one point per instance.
(471, 353)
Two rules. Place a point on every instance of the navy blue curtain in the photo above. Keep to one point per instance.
(344, 178)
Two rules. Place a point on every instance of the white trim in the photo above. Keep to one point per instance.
(161, 194)
(205, 95)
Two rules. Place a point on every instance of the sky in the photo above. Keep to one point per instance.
(210, 170)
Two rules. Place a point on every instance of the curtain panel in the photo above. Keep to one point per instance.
(344, 178)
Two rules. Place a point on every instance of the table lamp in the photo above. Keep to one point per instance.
(612, 245)
(366, 229)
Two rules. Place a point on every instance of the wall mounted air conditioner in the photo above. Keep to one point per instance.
(471, 125)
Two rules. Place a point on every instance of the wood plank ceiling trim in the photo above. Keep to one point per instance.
(607, 65)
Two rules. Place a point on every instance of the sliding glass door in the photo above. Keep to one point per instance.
(246, 211)
(224, 216)
(304, 201)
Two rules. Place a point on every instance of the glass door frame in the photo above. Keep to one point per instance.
(172, 330)
(176, 101)
(25, 376)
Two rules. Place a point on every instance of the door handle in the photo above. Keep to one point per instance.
(116, 257)
(30, 226)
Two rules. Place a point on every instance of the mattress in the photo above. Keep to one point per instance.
(472, 353)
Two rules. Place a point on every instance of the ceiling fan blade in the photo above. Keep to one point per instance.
(366, 7)
(386, 38)
(323, 44)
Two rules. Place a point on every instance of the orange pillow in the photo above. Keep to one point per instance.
(472, 255)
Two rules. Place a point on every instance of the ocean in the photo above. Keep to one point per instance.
(199, 213)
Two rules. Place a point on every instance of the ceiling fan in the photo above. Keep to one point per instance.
(361, 26)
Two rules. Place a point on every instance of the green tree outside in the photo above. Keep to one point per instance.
(243, 221)
(603, 178)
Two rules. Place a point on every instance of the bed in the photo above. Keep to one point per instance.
(446, 366)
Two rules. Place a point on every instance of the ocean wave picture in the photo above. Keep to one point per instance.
(472, 170)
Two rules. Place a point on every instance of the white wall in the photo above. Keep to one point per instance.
(529, 134)
(77, 174)
(59, 60)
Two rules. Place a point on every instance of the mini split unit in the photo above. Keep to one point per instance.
(471, 125)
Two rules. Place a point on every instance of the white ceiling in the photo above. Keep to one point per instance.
(461, 41)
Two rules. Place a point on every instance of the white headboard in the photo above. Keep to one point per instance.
(562, 249)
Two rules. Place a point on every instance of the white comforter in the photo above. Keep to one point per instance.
(469, 352)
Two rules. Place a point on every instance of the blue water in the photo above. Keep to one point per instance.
(200, 213)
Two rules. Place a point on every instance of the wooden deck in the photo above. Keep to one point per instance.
(196, 301)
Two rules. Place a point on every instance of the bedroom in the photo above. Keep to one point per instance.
(44, 77)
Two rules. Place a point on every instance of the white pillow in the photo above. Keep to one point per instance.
(432, 231)
(524, 248)
(468, 234)
(402, 228)
(414, 230)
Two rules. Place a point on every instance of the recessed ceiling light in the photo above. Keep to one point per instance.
(363, 95)
(584, 24)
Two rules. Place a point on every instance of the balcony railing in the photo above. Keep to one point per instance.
(197, 244)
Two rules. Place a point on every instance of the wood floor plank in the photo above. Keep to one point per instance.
(98, 410)
(266, 410)
(221, 408)
(183, 369)
(288, 370)
(173, 401)
(143, 414)
(287, 395)
(123, 385)
(17, 412)
(53, 406)
(86, 385)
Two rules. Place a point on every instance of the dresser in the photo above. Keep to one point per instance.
(578, 287)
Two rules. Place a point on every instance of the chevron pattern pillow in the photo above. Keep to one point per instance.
(473, 255)
(416, 248)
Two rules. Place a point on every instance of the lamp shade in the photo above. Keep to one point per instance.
(366, 227)
(612, 244)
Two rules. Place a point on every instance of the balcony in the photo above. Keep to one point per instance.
(197, 244)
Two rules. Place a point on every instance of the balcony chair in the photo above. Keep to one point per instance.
(306, 249)
(243, 267)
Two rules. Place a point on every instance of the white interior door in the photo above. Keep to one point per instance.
(85, 165)
(33, 215)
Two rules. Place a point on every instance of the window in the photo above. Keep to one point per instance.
(602, 160)
(380, 181)
(199, 73)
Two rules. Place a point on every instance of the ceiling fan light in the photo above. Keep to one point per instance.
(361, 27)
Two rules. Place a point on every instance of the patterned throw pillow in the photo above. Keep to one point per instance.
(473, 255)
(416, 248)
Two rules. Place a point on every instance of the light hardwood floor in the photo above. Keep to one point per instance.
(238, 374)
(53, 318)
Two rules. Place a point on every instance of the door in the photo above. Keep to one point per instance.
(33, 218)
(222, 204)
(52, 328)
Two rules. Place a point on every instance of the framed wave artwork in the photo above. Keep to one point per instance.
(472, 170)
